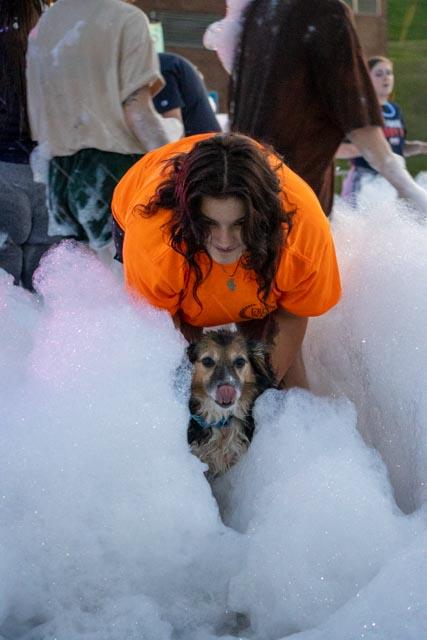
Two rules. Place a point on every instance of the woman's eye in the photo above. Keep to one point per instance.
(239, 362)
(208, 362)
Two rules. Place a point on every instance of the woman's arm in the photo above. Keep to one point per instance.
(376, 150)
(347, 151)
(286, 360)
(414, 148)
(145, 123)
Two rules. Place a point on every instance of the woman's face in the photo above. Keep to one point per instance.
(224, 218)
(383, 80)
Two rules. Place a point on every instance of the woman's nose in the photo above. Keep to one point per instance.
(224, 236)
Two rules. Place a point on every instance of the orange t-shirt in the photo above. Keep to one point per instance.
(307, 281)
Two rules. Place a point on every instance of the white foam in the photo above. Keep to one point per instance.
(108, 527)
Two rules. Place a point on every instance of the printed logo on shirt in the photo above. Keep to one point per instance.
(255, 311)
(391, 132)
(396, 123)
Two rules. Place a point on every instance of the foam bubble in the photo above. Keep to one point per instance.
(108, 527)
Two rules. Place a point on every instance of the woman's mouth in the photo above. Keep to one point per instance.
(226, 250)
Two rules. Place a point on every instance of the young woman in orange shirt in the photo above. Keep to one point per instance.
(217, 230)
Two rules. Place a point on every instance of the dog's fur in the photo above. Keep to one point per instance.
(228, 373)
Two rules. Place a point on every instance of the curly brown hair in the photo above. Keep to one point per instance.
(225, 165)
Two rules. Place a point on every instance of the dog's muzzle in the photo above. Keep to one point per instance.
(225, 395)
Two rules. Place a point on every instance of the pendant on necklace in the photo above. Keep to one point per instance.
(231, 284)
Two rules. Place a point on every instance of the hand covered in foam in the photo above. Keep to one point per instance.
(223, 36)
(418, 196)
(406, 186)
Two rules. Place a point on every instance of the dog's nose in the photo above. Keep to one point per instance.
(225, 394)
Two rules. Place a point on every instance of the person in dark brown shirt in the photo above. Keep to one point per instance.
(300, 83)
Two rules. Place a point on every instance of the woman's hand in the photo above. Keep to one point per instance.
(414, 148)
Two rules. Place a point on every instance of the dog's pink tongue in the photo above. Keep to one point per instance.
(225, 394)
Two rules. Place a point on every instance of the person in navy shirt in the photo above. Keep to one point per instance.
(381, 71)
(185, 96)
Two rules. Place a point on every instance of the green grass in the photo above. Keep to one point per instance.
(407, 47)
(410, 68)
(407, 20)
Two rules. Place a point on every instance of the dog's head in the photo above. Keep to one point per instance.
(229, 372)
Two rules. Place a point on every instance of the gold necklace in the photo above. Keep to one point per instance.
(231, 283)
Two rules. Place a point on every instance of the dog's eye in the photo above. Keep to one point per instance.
(208, 362)
(239, 362)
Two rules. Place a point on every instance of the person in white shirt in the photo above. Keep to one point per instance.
(92, 71)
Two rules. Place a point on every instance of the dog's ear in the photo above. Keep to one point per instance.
(260, 361)
(192, 352)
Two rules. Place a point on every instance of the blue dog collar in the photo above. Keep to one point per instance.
(224, 422)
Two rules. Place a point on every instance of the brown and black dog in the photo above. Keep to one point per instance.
(228, 373)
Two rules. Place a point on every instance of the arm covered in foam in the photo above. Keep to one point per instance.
(375, 149)
(151, 129)
(347, 151)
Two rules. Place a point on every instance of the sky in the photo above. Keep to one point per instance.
(108, 526)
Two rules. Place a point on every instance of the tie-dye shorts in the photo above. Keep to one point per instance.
(80, 190)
